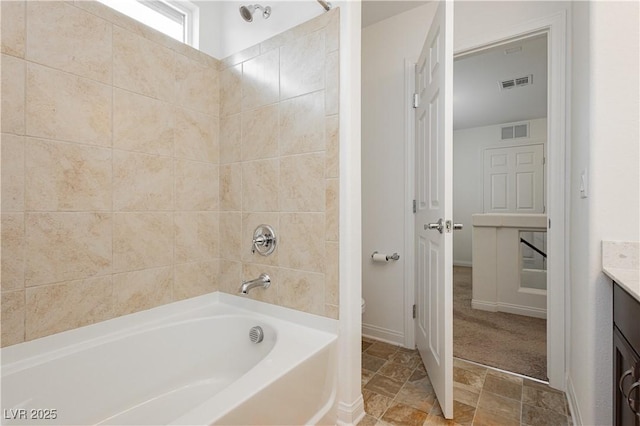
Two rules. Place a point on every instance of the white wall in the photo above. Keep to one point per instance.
(605, 143)
(236, 34)
(473, 18)
(351, 403)
(385, 46)
(210, 27)
(223, 32)
(468, 148)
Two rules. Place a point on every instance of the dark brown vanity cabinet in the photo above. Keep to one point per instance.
(626, 358)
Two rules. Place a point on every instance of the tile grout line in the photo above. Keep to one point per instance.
(475, 411)
(522, 404)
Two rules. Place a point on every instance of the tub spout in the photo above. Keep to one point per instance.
(263, 281)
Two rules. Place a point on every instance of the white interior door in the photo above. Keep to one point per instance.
(514, 179)
(434, 247)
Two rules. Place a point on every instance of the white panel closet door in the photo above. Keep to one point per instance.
(514, 179)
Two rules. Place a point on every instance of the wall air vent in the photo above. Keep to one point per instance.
(514, 131)
(516, 82)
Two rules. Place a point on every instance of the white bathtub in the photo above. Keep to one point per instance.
(190, 362)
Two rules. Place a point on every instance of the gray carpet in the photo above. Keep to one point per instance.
(510, 342)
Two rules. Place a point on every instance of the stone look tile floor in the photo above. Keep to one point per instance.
(397, 391)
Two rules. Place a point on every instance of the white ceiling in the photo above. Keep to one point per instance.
(477, 98)
(378, 10)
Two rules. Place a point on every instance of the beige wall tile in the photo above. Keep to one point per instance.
(251, 271)
(142, 66)
(230, 139)
(231, 187)
(12, 259)
(332, 83)
(302, 63)
(197, 86)
(142, 182)
(296, 32)
(111, 15)
(332, 231)
(142, 240)
(196, 136)
(302, 123)
(303, 291)
(77, 303)
(231, 90)
(144, 31)
(230, 235)
(332, 311)
(12, 307)
(196, 185)
(333, 31)
(12, 184)
(230, 277)
(12, 27)
(168, 142)
(197, 236)
(66, 246)
(64, 37)
(302, 241)
(142, 124)
(332, 273)
(260, 185)
(260, 133)
(302, 183)
(195, 279)
(332, 133)
(140, 290)
(260, 81)
(241, 56)
(65, 107)
(13, 93)
(66, 176)
(250, 221)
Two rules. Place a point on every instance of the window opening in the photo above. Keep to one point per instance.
(177, 19)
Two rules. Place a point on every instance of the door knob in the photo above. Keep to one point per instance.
(631, 401)
(439, 226)
(457, 226)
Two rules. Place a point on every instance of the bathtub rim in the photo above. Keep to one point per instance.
(23, 355)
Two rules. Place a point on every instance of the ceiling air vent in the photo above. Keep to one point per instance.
(516, 82)
(514, 131)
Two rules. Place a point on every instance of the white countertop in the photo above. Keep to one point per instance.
(621, 263)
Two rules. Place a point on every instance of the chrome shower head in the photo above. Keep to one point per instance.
(247, 12)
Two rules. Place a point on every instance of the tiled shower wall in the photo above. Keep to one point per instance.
(113, 199)
(279, 165)
(109, 168)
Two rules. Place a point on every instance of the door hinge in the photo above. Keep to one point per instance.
(414, 311)
(414, 206)
(549, 223)
(416, 100)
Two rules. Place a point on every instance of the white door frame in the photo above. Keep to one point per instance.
(555, 26)
(409, 185)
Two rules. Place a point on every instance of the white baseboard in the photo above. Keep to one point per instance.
(462, 263)
(528, 311)
(484, 306)
(383, 334)
(350, 414)
(573, 403)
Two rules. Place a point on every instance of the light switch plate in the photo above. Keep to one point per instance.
(584, 184)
